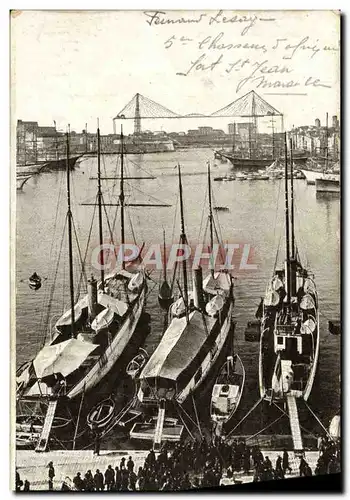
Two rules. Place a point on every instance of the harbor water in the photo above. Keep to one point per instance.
(255, 218)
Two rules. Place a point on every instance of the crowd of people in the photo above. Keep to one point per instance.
(193, 465)
(329, 459)
(198, 465)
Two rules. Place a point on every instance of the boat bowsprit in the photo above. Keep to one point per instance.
(101, 414)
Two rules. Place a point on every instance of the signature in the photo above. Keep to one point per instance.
(160, 18)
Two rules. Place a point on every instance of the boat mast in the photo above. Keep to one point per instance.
(250, 139)
(326, 141)
(292, 199)
(183, 240)
(70, 244)
(86, 138)
(122, 197)
(210, 216)
(273, 137)
(164, 256)
(234, 138)
(287, 268)
(56, 142)
(99, 201)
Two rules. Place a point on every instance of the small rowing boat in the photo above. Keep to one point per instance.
(227, 390)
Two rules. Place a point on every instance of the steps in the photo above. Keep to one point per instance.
(45, 433)
(294, 423)
(159, 426)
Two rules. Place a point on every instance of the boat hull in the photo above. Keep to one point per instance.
(209, 362)
(311, 176)
(248, 164)
(114, 352)
(60, 164)
(268, 358)
(226, 418)
(327, 185)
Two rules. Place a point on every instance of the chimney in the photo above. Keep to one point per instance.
(335, 121)
(92, 297)
(317, 123)
(198, 288)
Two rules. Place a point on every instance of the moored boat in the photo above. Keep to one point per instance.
(289, 342)
(89, 339)
(328, 183)
(199, 325)
(227, 390)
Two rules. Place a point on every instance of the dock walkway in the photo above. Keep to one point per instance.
(33, 466)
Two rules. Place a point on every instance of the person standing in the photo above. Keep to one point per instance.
(285, 462)
(78, 482)
(279, 468)
(130, 465)
(19, 482)
(303, 467)
(51, 475)
(98, 481)
(109, 478)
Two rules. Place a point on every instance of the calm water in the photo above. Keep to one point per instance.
(252, 219)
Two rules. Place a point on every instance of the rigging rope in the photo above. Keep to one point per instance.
(89, 236)
(246, 415)
(53, 285)
(275, 225)
(44, 321)
(318, 420)
(83, 277)
(264, 429)
(301, 427)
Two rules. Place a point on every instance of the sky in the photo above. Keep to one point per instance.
(76, 66)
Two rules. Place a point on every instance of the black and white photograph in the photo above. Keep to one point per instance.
(176, 278)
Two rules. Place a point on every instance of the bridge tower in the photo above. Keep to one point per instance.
(137, 120)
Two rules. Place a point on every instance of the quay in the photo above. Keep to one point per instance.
(33, 466)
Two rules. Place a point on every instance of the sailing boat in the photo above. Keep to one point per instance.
(253, 157)
(165, 295)
(323, 173)
(199, 326)
(92, 336)
(290, 338)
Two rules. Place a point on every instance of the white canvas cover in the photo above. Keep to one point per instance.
(64, 357)
(271, 298)
(334, 428)
(307, 302)
(66, 319)
(103, 320)
(117, 306)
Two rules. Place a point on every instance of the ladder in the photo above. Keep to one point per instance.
(159, 426)
(294, 423)
(45, 433)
